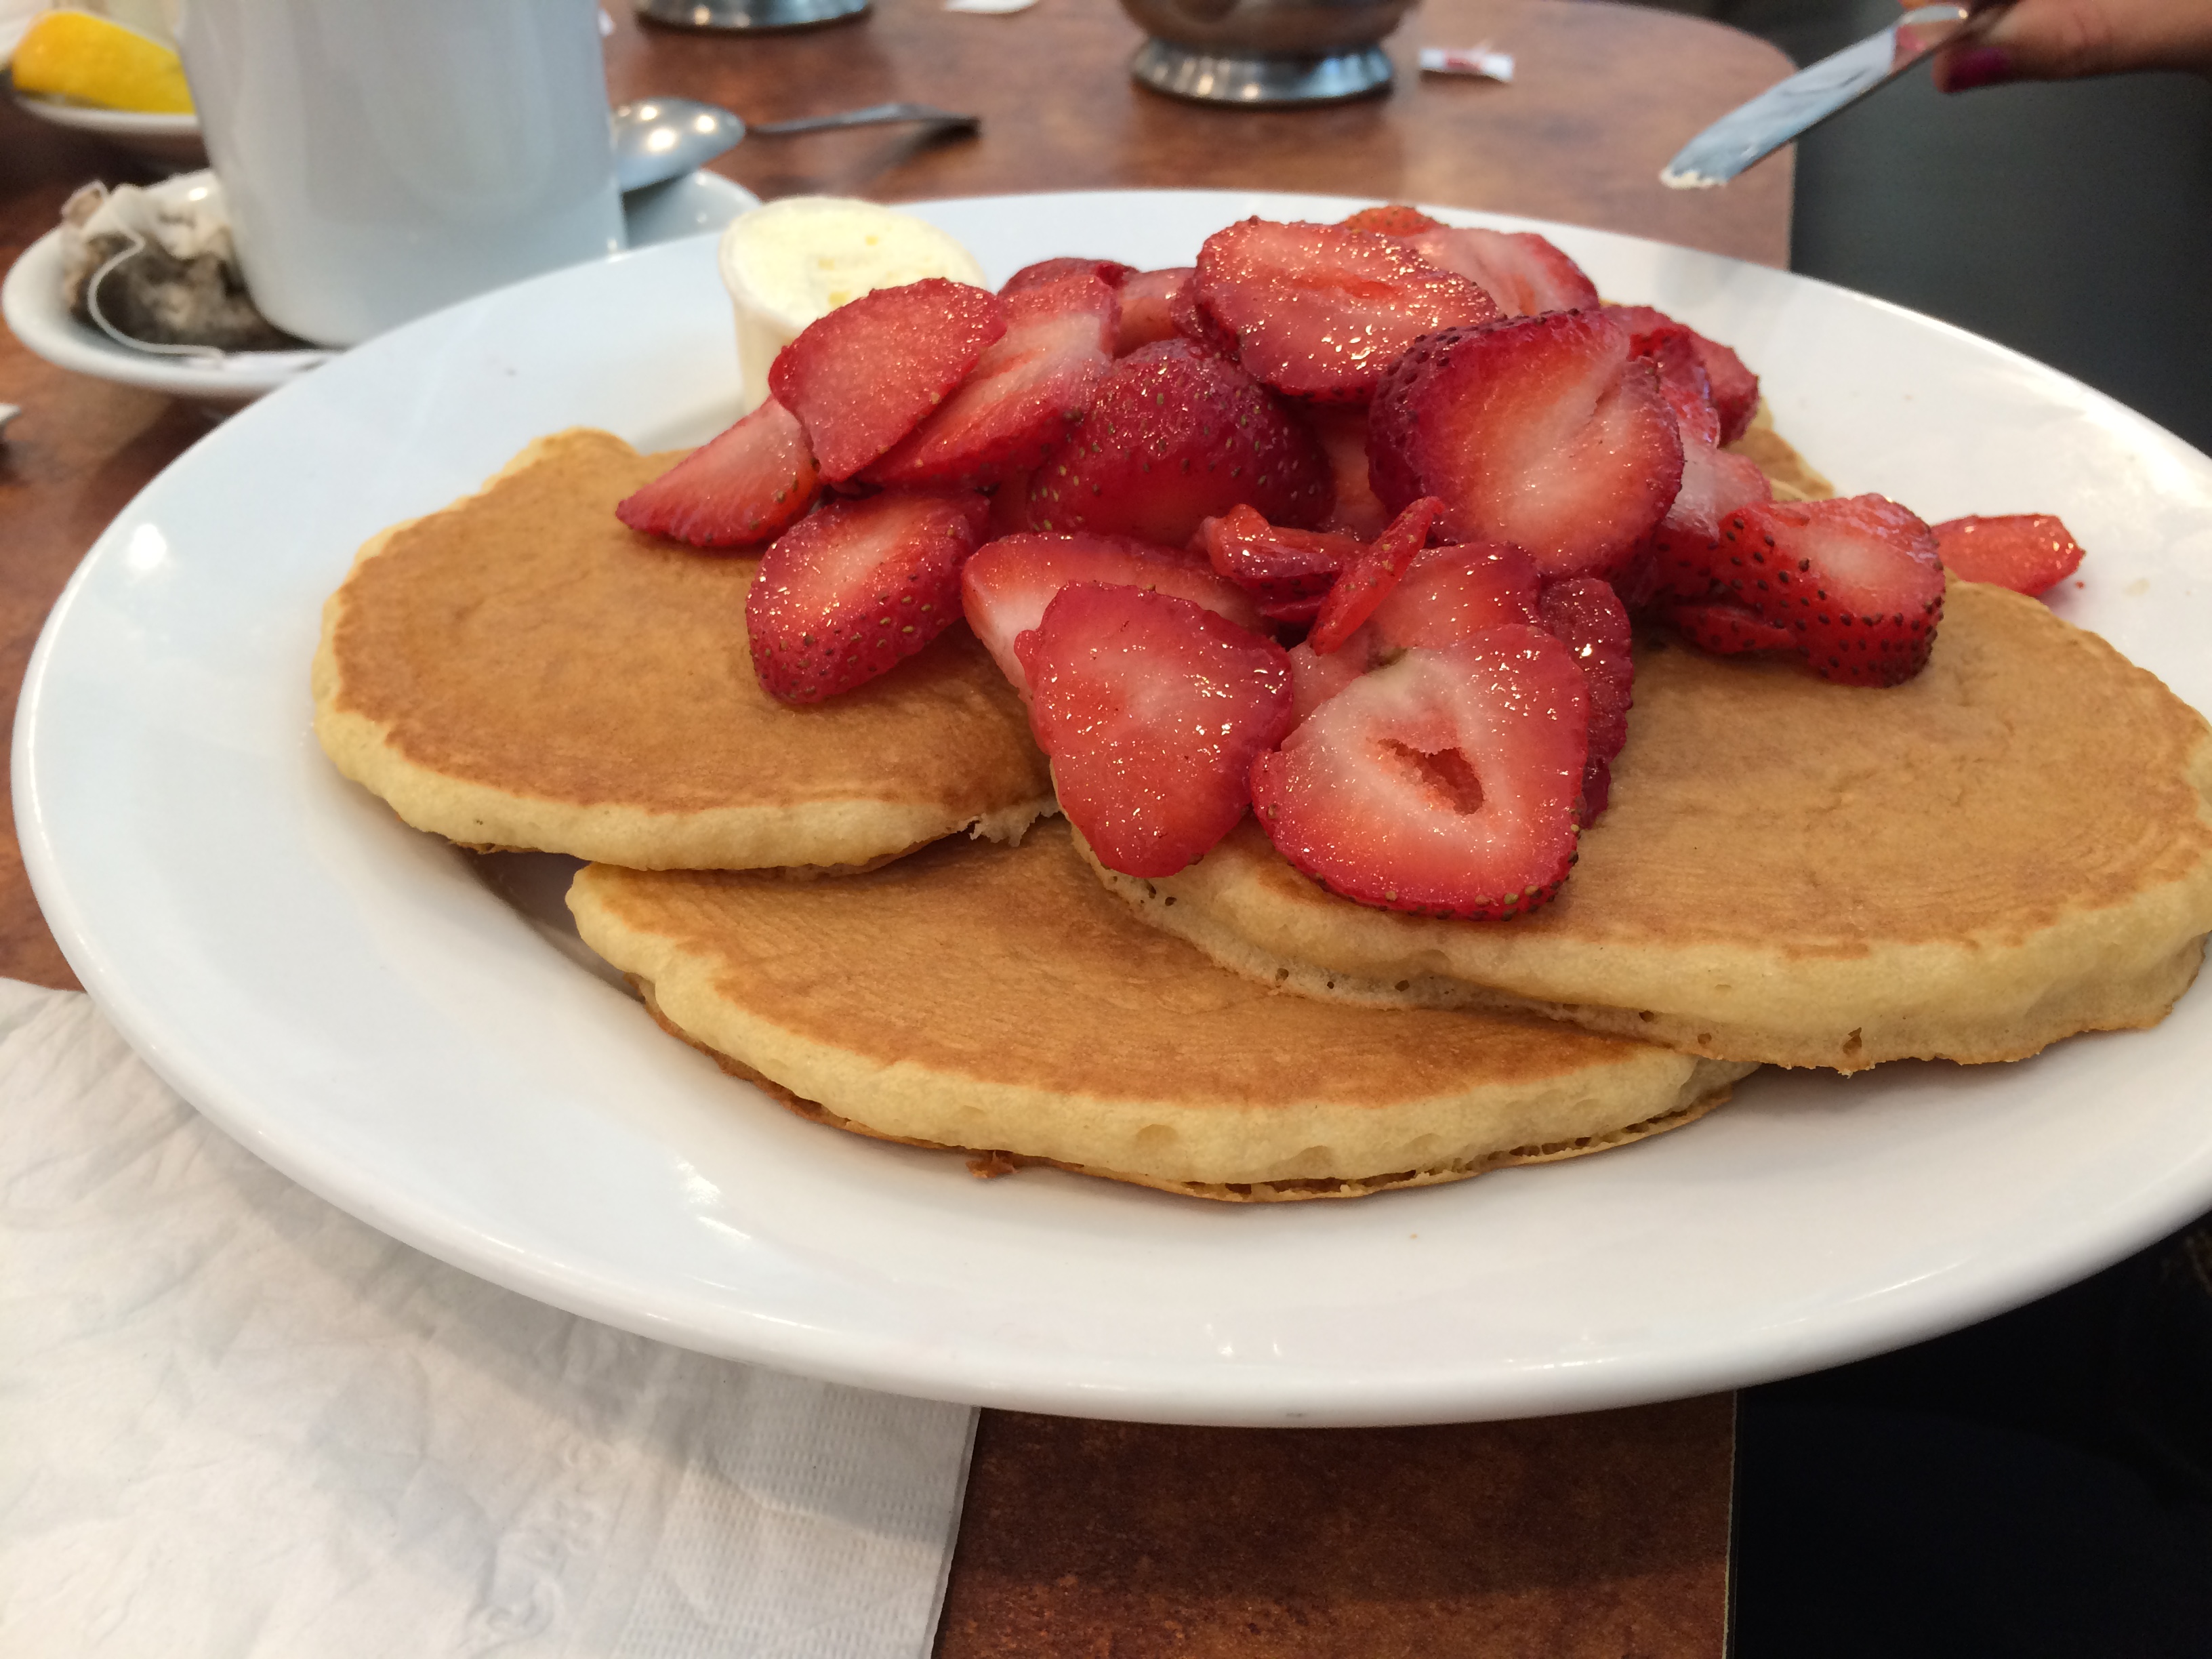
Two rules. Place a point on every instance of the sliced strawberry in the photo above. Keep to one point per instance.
(1315, 678)
(1728, 629)
(1342, 429)
(1148, 307)
(1452, 594)
(2026, 552)
(1369, 578)
(1715, 483)
(1005, 586)
(1443, 783)
(1287, 572)
(1585, 615)
(1022, 395)
(1320, 311)
(1541, 431)
(1176, 435)
(1525, 274)
(746, 485)
(1152, 709)
(848, 592)
(1395, 219)
(1735, 388)
(1684, 383)
(863, 377)
(1044, 272)
(1681, 560)
(1857, 580)
(1191, 322)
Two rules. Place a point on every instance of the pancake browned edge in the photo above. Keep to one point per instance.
(2011, 848)
(999, 1001)
(522, 670)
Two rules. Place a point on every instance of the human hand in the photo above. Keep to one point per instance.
(2061, 39)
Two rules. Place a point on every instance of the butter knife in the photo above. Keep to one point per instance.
(1809, 97)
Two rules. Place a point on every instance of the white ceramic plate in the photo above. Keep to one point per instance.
(350, 999)
(173, 141)
(696, 204)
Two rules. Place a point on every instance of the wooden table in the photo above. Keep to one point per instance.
(1598, 1535)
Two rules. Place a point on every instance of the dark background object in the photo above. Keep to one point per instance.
(2072, 222)
(2040, 1484)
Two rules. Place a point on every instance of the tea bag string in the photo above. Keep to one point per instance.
(115, 262)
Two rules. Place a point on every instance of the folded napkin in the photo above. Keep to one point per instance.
(235, 1421)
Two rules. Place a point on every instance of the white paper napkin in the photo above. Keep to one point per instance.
(235, 1422)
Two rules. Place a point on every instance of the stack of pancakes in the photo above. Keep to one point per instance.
(2014, 847)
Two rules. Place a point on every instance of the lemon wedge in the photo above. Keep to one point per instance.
(93, 60)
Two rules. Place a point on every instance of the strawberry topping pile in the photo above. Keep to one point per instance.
(1343, 525)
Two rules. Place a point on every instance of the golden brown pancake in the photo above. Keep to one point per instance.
(998, 1000)
(522, 670)
(2011, 848)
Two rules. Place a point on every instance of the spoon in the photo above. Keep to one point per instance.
(657, 139)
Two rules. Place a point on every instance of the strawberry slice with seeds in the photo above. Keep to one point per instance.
(748, 485)
(1443, 783)
(1683, 382)
(1005, 586)
(1176, 435)
(1542, 431)
(1319, 311)
(863, 377)
(1370, 578)
(1453, 592)
(2028, 552)
(1394, 219)
(1857, 580)
(1729, 629)
(1342, 429)
(1149, 298)
(1287, 572)
(1525, 274)
(1315, 678)
(1681, 558)
(1586, 616)
(1025, 392)
(849, 591)
(1734, 388)
(1191, 322)
(1152, 709)
(1045, 272)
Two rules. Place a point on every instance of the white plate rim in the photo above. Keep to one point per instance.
(1236, 1395)
(124, 125)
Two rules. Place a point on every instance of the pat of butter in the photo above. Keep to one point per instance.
(787, 263)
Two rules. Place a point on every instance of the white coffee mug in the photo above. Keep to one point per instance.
(383, 158)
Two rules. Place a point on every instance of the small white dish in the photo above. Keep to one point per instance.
(172, 140)
(698, 204)
(354, 1002)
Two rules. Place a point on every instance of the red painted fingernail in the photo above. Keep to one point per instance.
(1978, 66)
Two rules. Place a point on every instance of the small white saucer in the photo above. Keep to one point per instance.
(696, 204)
(173, 141)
